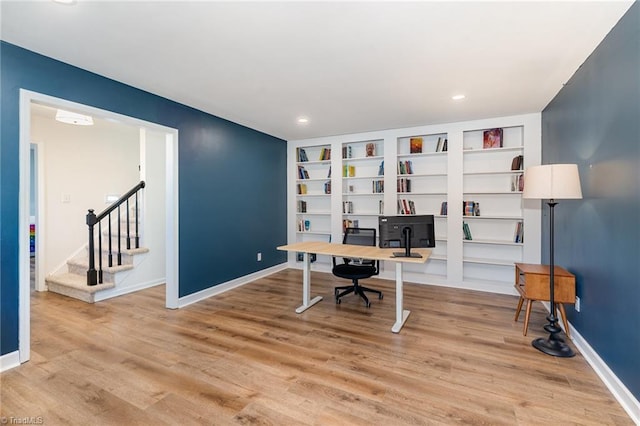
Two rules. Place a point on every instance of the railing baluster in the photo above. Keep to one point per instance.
(100, 252)
(137, 235)
(128, 236)
(119, 238)
(110, 249)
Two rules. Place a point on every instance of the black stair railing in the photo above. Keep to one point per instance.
(95, 276)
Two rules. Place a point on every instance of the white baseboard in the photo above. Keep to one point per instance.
(9, 361)
(119, 291)
(620, 392)
(221, 288)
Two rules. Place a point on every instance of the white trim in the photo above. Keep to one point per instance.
(620, 392)
(115, 292)
(9, 361)
(229, 285)
(26, 98)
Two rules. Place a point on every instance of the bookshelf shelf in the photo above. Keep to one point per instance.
(497, 242)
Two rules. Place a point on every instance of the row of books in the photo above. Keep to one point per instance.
(325, 154)
(378, 186)
(471, 208)
(518, 236)
(404, 185)
(302, 206)
(304, 225)
(442, 145)
(517, 183)
(347, 207)
(302, 173)
(406, 206)
(405, 167)
(302, 188)
(348, 171)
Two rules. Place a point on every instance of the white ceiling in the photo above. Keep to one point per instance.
(348, 66)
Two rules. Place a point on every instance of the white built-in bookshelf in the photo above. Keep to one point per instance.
(420, 172)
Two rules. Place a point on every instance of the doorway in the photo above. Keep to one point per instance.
(32, 179)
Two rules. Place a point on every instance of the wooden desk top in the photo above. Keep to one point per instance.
(361, 252)
(530, 268)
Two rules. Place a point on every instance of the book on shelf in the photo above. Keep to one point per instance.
(492, 138)
(329, 173)
(347, 207)
(445, 145)
(470, 208)
(381, 207)
(370, 149)
(381, 169)
(302, 155)
(442, 144)
(517, 183)
(415, 145)
(346, 152)
(302, 173)
(517, 163)
(518, 236)
(302, 188)
(404, 185)
(443, 208)
(466, 230)
(325, 154)
(327, 187)
(302, 206)
(406, 206)
(404, 167)
(348, 171)
(378, 186)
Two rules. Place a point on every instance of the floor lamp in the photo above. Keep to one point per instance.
(552, 182)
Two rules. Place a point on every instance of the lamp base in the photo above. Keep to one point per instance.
(553, 346)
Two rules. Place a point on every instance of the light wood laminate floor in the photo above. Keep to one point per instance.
(245, 357)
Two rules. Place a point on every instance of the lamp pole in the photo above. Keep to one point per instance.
(553, 345)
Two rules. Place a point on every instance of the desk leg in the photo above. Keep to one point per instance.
(306, 286)
(401, 315)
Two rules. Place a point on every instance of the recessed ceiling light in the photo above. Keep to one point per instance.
(458, 97)
(65, 1)
(73, 118)
(303, 120)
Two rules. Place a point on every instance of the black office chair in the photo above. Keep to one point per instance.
(355, 270)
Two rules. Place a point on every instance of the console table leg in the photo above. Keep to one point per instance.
(401, 314)
(306, 285)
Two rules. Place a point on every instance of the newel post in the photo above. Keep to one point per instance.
(92, 275)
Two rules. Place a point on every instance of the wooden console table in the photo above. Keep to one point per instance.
(532, 283)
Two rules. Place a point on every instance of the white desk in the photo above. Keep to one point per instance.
(353, 251)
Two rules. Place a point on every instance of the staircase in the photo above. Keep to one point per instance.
(73, 283)
(89, 277)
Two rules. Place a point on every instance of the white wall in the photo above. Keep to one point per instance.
(83, 164)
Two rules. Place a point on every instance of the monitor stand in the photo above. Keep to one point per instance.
(407, 245)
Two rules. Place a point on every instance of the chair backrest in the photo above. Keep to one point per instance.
(360, 237)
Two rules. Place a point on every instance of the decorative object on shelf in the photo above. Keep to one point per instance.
(492, 138)
(552, 182)
(517, 162)
(381, 169)
(415, 145)
(327, 187)
(370, 149)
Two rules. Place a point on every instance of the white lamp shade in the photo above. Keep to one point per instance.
(552, 181)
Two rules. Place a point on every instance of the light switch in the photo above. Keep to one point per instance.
(66, 198)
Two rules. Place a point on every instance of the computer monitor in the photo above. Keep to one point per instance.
(406, 232)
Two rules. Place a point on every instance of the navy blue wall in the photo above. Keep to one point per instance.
(232, 178)
(594, 122)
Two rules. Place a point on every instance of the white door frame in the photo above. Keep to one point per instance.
(172, 255)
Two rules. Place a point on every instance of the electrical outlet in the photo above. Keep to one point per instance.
(259, 257)
(577, 305)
